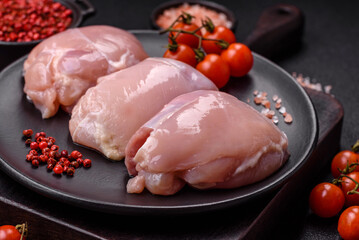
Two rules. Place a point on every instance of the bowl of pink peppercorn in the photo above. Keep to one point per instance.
(25, 23)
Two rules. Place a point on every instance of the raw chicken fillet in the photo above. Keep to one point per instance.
(60, 69)
(207, 139)
(109, 114)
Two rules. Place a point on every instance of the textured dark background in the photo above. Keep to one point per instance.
(328, 54)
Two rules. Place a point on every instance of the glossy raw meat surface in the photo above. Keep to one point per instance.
(60, 69)
(109, 114)
(208, 139)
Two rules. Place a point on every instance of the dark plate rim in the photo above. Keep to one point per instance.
(119, 208)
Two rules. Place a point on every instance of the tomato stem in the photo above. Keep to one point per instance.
(22, 228)
(205, 24)
(354, 190)
(199, 54)
(208, 25)
(172, 47)
(186, 18)
(336, 181)
(348, 168)
(355, 147)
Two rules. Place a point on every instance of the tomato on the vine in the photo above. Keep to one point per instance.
(218, 33)
(326, 200)
(348, 185)
(9, 232)
(239, 58)
(348, 224)
(341, 160)
(186, 38)
(213, 67)
(182, 52)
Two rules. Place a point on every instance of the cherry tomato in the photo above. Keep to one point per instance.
(239, 58)
(186, 38)
(326, 200)
(219, 33)
(213, 67)
(341, 160)
(183, 53)
(9, 232)
(348, 185)
(348, 224)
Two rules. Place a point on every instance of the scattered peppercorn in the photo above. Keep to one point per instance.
(40, 139)
(27, 133)
(54, 147)
(58, 169)
(28, 141)
(44, 151)
(64, 153)
(75, 164)
(50, 166)
(52, 154)
(35, 162)
(34, 146)
(37, 135)
(43, 158)
(70, 171)
(51, 161)
(33, 152)
(80, 161)
(42, 145)
(29, 157)
(25, 21)
(87, 163)
(76, 154)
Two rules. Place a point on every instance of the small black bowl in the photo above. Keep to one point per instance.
(10, 51)
(207, 4)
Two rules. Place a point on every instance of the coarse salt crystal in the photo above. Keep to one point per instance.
(265, 111)
(310, 83)
(275, 119)
(288, 118)
(265, 103)
(327, 89)
(257, 100)
(282, 110)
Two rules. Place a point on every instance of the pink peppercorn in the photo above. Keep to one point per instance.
(34, 145)
(32, 17)
(87, 163)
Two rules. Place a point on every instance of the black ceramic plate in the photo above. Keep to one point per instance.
(103, 186)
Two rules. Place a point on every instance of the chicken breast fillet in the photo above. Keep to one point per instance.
(208, 139)
(60, 69)
(109, 114)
